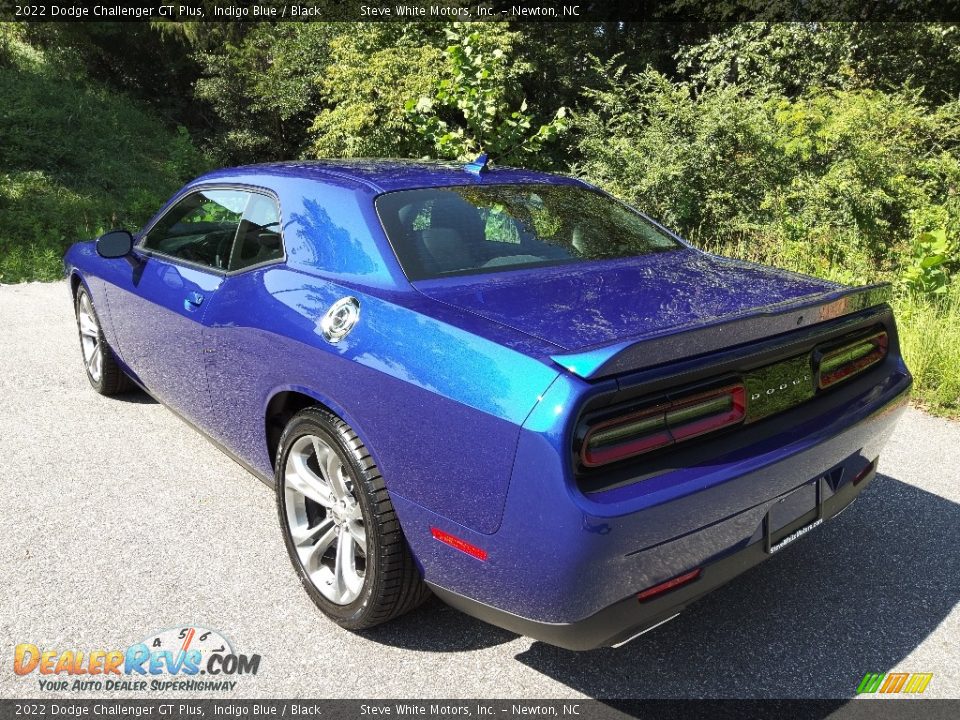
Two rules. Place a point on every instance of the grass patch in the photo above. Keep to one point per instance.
(930, 340)
(76, 160)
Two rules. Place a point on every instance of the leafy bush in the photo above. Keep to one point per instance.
(374, 70)
(864, 163)
(263, 88)
(839, 180)
(926, 273)
(7, 35)
(477, 106)
(700, 164)
(789, 58)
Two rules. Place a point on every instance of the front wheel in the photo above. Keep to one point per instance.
(339, 526)
(101, 366)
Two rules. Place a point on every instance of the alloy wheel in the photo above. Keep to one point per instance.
(324, 519)
(90, 337)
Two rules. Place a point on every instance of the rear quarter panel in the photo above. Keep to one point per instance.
(439, 409)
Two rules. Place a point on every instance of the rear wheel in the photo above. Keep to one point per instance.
(339, 526)
(99, 362)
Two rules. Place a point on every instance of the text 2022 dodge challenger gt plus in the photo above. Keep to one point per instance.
(503, 386)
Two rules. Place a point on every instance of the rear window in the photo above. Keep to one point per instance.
(471, 229)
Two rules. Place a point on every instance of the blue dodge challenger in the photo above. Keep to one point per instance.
(505, 387)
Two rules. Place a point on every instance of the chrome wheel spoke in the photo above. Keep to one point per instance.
(90, 344)
(327, 537)
(98, 362)
(308, 483)
(304, 535)
(93, 362)
(359, 535)
(88, 326)
(310, 555)
(347, 582)
(332, 468)
(353, 512)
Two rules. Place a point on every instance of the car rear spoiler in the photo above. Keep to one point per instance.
(675, 343)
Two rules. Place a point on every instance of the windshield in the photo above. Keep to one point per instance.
(471, 229)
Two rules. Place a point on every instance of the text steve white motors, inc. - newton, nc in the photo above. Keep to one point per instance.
(477, 11)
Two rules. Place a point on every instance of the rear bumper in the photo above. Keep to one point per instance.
(628, 618)
(566, 568)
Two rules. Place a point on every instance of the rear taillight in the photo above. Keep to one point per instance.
(661, 425)
(844, 362)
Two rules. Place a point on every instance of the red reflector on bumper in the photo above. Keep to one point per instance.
(663, 587)
(461, 545)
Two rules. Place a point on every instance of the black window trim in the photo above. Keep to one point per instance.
(254, 189)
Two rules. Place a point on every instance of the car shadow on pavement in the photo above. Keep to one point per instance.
(856, 596)
(437, 627)
(136, 396)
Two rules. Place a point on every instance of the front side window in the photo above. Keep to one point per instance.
(200, 228)
(473, 229)
(222, 229)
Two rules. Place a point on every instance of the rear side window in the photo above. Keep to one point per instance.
(258, 236)
(474, 229)
(200, 228)
(220, 229)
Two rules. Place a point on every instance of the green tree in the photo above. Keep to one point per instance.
(834, 182)
(264, 88)
(477, 105)
(699, 163)
(794, 57)
(373, 69)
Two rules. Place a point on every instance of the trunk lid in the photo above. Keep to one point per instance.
(614, 316)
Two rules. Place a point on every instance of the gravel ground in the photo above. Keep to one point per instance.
(118, 520)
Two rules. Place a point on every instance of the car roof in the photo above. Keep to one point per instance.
(382, 175)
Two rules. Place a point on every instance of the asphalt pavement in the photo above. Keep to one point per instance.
(119, 520)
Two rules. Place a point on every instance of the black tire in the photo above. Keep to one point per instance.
(392, 584)
(112, 380)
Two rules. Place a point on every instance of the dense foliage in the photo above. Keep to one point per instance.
(77, 158)
(852, 184)
(830, 148)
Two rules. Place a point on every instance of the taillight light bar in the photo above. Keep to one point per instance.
(844, 362)
(662, 425)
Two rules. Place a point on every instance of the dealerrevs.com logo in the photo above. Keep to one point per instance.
(188, 658)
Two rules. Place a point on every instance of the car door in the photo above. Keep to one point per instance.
(240, 345)
(158, 307)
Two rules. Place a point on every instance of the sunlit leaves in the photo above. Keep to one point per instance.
(478, 105)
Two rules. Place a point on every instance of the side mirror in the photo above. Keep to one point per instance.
(115, 244)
